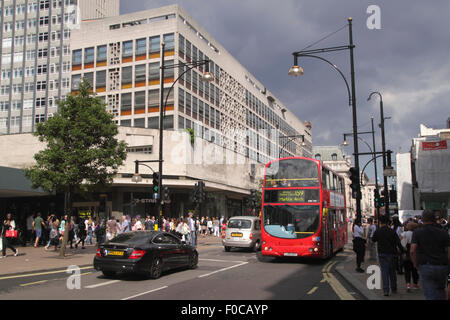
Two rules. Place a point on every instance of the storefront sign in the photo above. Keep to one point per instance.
(438, 145)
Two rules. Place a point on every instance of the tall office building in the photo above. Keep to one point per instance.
(35, 56)
(121, 58)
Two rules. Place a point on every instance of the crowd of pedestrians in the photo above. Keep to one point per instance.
(418, 248)
(188, 228)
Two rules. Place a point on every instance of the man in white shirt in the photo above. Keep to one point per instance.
(191, 224)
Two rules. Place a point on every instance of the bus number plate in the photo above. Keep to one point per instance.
(290, 254)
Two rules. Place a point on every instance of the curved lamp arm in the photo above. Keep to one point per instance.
(335, 67)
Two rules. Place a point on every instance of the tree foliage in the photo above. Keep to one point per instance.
(81, 146)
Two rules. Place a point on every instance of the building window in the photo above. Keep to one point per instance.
(181, 100)
(100, 79)
(127, 75)
(125, 106)
(76, 80)
(140, 73)
(153, 71)
(101, 53)
(154, 46)
(141, 46)
(169, 40)
(77, 57)
(153, 98)
(89, 55)
(127, 49)
(317, 156)
(334, 157)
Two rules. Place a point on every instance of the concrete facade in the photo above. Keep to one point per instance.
(35, 56)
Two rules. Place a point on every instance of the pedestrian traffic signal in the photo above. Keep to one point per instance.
(155, 182)
(201, 192)
(165, 194)
(354, 185)
(382, 202)
(376, 198)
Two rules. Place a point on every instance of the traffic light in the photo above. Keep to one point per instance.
(253, 200)
(376, 198)
(201, 192)
(392, 196)
(155, 182)
(354, 182)
(165, 194)
(382, 204)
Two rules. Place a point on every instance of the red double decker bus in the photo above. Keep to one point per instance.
(303, 209)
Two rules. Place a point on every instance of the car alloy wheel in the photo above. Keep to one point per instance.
(156, 268)
(193, 260)
(256, 246)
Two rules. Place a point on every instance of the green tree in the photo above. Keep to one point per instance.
(81, 152)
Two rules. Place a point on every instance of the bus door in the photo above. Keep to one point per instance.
(325, 231)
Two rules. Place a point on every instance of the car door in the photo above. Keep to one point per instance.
(181, 251)
(165, 250)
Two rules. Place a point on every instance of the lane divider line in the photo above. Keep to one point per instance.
(102, 284)
(312, 290)
(224, 269)
(31, 283)
(141, 294)
(39, 274)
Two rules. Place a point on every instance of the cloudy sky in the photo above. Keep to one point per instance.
(407, 60)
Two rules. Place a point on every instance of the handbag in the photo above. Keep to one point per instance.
(11, 234)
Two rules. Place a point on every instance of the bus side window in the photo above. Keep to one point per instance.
(324, 178)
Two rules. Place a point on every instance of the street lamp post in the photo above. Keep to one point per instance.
(206, 77)
(296, 70)
(383, 146)
(290, 139)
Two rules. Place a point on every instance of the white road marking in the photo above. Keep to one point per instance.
(141, 294)
(224, 269)
(101, 284)
(221, 260)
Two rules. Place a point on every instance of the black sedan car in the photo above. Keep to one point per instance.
(148, 253)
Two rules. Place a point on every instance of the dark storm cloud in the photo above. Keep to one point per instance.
(406, 60)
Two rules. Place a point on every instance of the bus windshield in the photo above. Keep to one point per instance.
(290, 221)
(292, 173)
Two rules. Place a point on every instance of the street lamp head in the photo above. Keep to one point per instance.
(136, 178)
(295, 71)
(345, 143)
(208, 77)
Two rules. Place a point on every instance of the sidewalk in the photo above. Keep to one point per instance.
(359, 280)
(32, 259)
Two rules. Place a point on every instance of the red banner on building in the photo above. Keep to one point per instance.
(439, 145)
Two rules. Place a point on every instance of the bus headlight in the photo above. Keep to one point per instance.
(316, 249)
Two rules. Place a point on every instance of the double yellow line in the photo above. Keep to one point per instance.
(342, 293)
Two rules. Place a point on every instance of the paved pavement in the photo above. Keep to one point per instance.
(37, 259)
(359, 280)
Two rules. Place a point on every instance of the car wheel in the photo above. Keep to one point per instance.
(227, 249)
(108, 274)
(156, 268)
(193, 260)
(256, 247)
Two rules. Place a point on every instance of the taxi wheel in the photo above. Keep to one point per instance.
(108, 274)
(227, 249)
(193, 260)
(156, 268)
(257, 246)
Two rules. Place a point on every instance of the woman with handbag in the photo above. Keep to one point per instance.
(359, 244)
(8, 231)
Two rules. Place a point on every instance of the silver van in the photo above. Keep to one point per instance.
(243, 232)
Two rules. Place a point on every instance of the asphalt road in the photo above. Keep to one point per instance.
(233, 276)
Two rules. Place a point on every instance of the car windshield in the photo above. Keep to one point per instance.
(240, 224)
(291, 222)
